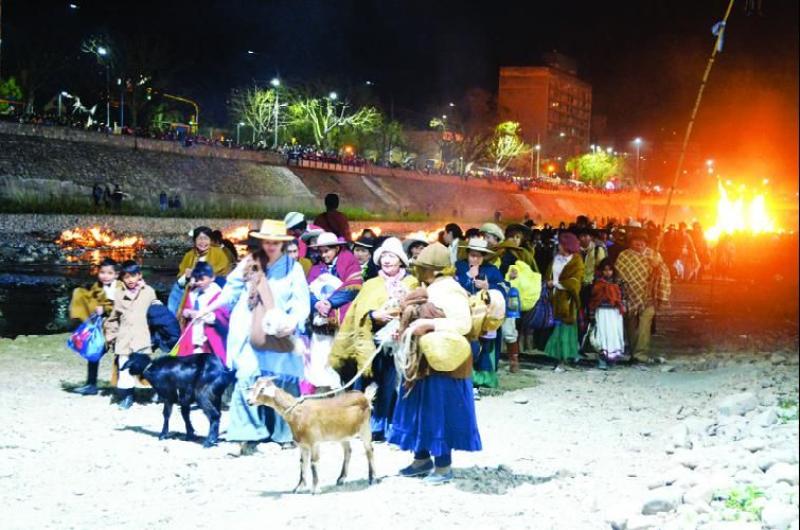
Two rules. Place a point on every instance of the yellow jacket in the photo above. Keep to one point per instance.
(85, 301)
(216, 257)
(354, 339)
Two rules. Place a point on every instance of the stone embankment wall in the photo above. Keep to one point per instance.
(62, 162)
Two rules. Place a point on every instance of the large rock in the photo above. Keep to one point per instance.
(663, 499)
(737, 404)
(778, 516)
(767, 459)
(678, 436)
(783, 472)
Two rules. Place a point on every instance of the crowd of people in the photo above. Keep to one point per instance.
(403, 314)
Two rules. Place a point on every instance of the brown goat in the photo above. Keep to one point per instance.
(335, 419)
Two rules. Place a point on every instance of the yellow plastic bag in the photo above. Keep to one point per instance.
(528, 283)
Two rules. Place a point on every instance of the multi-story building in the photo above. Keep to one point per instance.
(550, 103)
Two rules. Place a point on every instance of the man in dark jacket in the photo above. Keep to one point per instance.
(332, 220)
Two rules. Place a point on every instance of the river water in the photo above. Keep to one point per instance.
(34, 297)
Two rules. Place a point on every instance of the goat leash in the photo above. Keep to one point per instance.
(335, 391)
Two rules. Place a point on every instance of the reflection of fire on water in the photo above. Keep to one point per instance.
(740, 215)
(98, 243)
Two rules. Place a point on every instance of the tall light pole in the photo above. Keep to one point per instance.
(275, 83)
(638, 142)
(238, 126)
(538, 154)
(62, 94)
(103, 52)
(121, 83)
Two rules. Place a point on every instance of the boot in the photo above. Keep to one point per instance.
(90, 388)
(513, 357)
(125, 398)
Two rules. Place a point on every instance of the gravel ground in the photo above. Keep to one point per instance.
(629, 448)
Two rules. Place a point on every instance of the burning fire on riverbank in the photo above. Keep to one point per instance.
(748, 213)
(96, 237)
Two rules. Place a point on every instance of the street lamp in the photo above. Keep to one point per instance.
(638, 142)
(333, 95)
(238, 126)
(275, 82)
(62, 94)
(102, 51)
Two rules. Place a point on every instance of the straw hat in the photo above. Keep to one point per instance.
(328, 239)
(272, 230)
(435, 256)
(293, 219)
(393, 246)
(493, 229)
(479, 245)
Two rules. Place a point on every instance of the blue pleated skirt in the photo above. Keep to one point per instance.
(438, 416)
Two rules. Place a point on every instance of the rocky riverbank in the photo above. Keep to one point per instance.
(30, 238)
(693, 444)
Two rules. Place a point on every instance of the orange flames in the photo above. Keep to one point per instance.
(375, 229)
(237, 233)
(97, 237)
(422, 235)
(744, 214)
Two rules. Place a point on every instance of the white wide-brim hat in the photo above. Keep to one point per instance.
(478, 244)
(272, 230)
(393, 246)
(328, 239)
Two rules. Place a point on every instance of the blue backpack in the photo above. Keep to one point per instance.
(88, 340)
(541, 316)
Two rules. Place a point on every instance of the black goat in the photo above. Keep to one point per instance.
(200, 378)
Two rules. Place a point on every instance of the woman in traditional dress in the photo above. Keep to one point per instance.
(334, 283)
(377, 304)
(564, 279)
(436, 413)
(474, 274)
(289, 292)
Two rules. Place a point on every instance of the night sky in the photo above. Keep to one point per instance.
(643, 58)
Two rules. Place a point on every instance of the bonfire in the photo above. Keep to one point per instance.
(96, 237)
(745, 214)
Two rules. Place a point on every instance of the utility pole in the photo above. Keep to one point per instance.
(1, 39)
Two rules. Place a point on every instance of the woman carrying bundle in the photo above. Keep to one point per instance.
(377, 304)
(436, 413)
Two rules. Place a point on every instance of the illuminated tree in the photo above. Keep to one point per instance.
(9, 90)
(255, 107)
(506, 145)
(595, 168)
(327, 117)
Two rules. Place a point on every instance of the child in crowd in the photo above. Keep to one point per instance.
(127, 328)
(208, 333)
(97, 299)
(606, 308)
